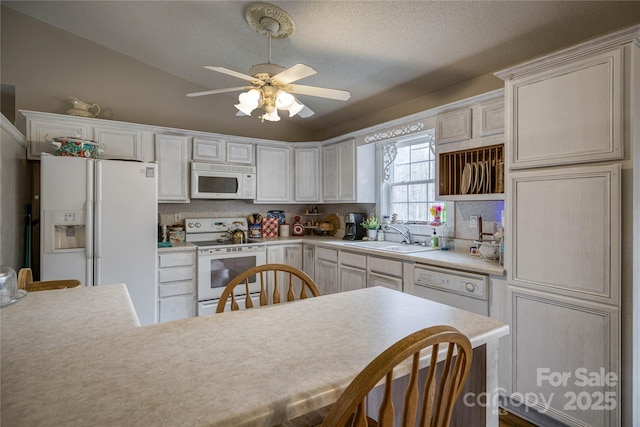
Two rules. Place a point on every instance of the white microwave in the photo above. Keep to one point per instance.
(222, 181)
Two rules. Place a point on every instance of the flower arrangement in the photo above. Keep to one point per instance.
(436, 211)
(371, 223)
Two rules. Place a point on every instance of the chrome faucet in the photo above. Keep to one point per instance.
(406, 235)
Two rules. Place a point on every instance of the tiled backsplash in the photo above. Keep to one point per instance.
(463, 237)
(241, 209)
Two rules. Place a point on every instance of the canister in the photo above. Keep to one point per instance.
(284, 230)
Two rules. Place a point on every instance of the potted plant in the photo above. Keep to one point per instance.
(371, 224)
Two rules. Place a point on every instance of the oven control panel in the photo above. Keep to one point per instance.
(469, 284)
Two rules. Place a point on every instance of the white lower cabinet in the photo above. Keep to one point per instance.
(565, 356)
(309, 260)
(384, 272)
(176, 285)
(284, 254)
(326, 271)
(353, 271)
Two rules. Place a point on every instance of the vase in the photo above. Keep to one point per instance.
(372, 234)
(436, 220)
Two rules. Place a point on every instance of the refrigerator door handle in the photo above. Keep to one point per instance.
(89, 224)
(97, 242)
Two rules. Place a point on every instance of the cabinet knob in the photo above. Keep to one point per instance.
(469, 287)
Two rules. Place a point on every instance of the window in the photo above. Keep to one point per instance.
(410, 178)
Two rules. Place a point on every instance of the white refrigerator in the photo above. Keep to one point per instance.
(99, 225)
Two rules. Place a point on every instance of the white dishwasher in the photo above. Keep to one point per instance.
(467, 291)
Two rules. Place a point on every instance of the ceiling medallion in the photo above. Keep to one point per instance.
(270, 20)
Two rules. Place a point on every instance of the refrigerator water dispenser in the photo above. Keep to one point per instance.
(65, 230)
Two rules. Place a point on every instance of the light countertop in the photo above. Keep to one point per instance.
(256, 367)
(439, 258)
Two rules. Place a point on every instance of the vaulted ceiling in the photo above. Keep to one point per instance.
(383, 52)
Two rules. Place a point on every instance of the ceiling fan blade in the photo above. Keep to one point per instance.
(293, 73)
(214, 91)
(322, 92)
(231, 73)
(305, 112)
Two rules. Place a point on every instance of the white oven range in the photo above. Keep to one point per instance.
(219, 260)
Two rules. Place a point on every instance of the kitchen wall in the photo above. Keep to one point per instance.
(15, 194)
(242, 208)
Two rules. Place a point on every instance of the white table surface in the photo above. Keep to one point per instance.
(251, 368)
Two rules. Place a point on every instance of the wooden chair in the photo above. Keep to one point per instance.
(437, 399)
(266, 271)
(25, 281)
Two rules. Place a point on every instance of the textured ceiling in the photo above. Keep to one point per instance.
(383, 52)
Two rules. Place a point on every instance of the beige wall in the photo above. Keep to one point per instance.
(47, 65)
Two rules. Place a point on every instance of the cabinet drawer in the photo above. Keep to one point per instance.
(176, 288)
(386, 281)
(352, 259)
(327, 254)
(385, 266)
(176, 259)
(175, 274)
(176, 308)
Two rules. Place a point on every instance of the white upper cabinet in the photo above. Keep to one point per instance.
(172, 155)
(238, 152)
(349, 172)
(454, 126)
(566, 113)
(307, 174)
(118, 142)
(274, 169)
(220, 151)
(208, 150)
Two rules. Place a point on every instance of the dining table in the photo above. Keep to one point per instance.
(78, 357)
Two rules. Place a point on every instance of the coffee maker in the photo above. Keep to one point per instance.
(353, 229)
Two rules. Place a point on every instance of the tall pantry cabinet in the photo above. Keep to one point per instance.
(572, 142)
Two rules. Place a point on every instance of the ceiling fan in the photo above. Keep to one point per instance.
(271, 84)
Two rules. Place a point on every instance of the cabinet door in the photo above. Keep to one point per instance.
(309, 261)
(453, 126)
(274, 174)
(40, 134)
(568, 114)
(208, 150)
(340, 172)
(176, 308)
(490, 118)
(352, 278)
(118, 143)
(172, 155)
(327, 277)
(238, 152)
(559, 341)
(566, 231)
(330, 176)
(307, 175)
(347, 171)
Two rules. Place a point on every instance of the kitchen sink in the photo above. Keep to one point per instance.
(390, 247)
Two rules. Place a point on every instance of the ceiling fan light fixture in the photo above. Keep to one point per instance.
(284, 100)
(271, 116)
(295, 108)
(249, 101)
